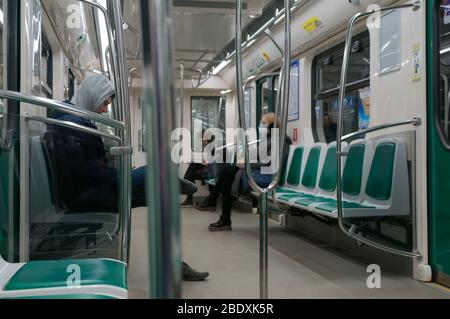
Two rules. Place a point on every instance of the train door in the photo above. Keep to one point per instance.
(381, 193)
(438, 24)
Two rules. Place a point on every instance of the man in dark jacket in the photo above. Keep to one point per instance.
(235, 175)
(81, 164)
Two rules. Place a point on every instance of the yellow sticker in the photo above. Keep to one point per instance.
(312, 24)
(417, 62)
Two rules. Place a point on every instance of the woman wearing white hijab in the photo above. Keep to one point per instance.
(91, 180)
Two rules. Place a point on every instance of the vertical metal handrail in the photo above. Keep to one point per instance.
(162, 179)
(339, 152)
(181, 95)
(264, 218)
(122, 76)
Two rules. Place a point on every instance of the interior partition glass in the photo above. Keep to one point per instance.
(73, 193)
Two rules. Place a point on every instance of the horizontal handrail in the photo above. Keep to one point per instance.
(74, 126)
(236, 144)
(61, 107)
(340, 127)
(417, 121)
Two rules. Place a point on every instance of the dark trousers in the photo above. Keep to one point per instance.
(139, 198)
(223, 186)
(195, 172)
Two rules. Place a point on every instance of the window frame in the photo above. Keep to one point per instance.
(315, 96)
(212, 97)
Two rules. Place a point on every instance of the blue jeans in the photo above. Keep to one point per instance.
(139, 198)
(261, 180)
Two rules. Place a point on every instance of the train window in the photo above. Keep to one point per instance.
(326, 80)
(46, 68)
(443, 113)
(266, 96)
(205, 115)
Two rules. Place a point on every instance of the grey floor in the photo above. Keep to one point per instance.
(299, 269)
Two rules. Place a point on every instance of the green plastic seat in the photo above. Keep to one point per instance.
(287, 197)
(379, 182)
(54, 274)
(295, 168)
(332, 206)
(283, 190)
(311, 200)
(309, 179)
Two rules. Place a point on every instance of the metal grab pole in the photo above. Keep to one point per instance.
(264, 218)
(340, 129)
(162, 177)
(124, 110)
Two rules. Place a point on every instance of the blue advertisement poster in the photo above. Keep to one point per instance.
(294, 103)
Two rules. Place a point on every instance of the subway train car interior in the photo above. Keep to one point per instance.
(224, 149)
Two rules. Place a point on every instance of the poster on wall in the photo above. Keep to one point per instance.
(294, 103)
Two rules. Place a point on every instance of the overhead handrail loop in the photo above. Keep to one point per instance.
(61, 107)
(264, 291)
(342, 91)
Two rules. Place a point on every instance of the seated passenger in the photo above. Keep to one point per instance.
(196, 172)
(93, 181)
(202, 172)
(233, 179)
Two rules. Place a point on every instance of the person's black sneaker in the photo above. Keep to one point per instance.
(189, 202)
(220, 226)
(190, 274)
(207, 205)
(187, 188)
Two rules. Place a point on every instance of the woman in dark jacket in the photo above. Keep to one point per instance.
(233, 179)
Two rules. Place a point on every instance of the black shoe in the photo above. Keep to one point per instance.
(190, 274)
(220, 226)
(187, 188)
(188, 202)
(207, 205)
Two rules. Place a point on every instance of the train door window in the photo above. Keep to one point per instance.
(46, 68)
(205, 115)
(443, 112)
(326, 80)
